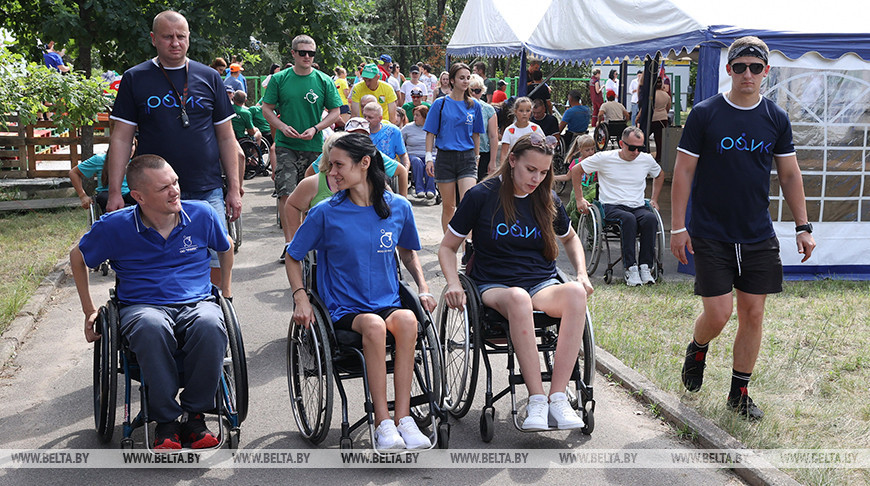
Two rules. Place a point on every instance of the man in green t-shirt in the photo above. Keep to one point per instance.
(300, 95)
(243, 122)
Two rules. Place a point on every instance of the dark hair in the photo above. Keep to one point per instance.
(611, 74)
(422, 109)
(454, 70)
(537, 76)
(543, 200)
(273, 68)
(480, 65)
(357, 146)
(574, 94)
(137, 167)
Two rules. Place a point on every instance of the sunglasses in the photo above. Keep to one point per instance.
(477, 90)
(416, 96)
(754, 68)
(306, 53)
(546, 143)
(633, 148)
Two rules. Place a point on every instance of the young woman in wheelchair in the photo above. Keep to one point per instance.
(356, 233)
(516, 218)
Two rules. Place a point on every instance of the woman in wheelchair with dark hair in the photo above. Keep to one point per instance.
(356, 233)
(516, 218)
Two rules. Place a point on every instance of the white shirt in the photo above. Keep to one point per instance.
(407, 86)
(633, 89)
(620, 181)
(512, 133)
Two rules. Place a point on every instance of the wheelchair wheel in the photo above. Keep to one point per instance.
(602, 136)
(461, 348)
(658, 265)
(106, 371)
(265, 163)
(590, 231)
(429, 352)
(560, 166)
(252, 157)
(234, 229)
(309, 376)
(235, 363)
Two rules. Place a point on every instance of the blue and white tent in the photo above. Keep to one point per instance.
(821, 76)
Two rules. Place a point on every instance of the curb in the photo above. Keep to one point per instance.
(758, 472)
(28, 317)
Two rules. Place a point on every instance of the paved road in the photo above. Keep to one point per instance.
(46, 393)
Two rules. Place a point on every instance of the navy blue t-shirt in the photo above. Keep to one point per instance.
(509, 253)
(735, 147)
(146, 99)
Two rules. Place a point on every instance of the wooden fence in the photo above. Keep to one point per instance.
(24, 147)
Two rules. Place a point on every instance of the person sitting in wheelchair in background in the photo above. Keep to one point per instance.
(356, 234)
(621, 185)
(95, 167)
(158, 250)
(516, 218)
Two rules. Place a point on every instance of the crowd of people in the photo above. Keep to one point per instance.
(355, 138)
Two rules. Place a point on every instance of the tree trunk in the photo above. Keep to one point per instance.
(84, 63)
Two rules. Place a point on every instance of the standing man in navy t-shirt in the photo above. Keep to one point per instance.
(182, 113)
(724, 159)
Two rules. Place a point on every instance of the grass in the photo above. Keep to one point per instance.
(812, 377)
(32, 244)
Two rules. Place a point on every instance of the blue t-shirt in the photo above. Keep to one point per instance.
(146, 99)
(52, 60)
(577, 118)
(152, 270)
(390, 164)
(509, 253)
(236, 84)
(453, 123)
(389, 140)
(735, 148)
(93, 167)
(488, 112)
(356, 264)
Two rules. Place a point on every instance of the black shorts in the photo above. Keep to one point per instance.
(345, 323)
(754, 268)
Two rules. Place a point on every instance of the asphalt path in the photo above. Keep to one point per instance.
(46, 393)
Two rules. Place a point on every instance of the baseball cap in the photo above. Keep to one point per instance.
(386, 58)
(230, 89)
(414, 69)
(416, 92)
(370, 71)
(357, 123)
(236, 67)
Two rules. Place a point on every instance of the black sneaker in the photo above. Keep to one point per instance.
(693, 369)
(195, 433)
(283, 255)
(744, 405)
(166, 436)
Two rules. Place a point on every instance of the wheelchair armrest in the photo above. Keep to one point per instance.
(410, 300)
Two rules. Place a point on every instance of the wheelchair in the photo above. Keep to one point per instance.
(479, 330)
(234, 229)
(560, 165)
(94, 213)
(112, 357)
(319, 356)
(607, 135)
(596, 232)
(255, 164)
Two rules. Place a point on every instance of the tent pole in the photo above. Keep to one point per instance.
(545, 80)
(623, 87)
(521, 88)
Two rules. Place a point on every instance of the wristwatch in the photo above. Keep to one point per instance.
(804, 227)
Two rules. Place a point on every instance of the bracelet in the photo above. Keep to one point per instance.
(293, 295)
(681, 230)
(425, 294)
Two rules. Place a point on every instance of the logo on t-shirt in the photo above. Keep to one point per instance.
(743, 144)
(311, 96)
(515, 230)
(382, 99)
(170, 100)
(469, 118)
(187, 245)
(386, 242)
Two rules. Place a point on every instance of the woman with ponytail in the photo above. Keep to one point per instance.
(356, 234)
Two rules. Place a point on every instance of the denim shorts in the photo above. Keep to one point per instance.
(452, 165)
(534, 289)
(215, 197)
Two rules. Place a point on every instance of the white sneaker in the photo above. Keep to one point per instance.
(632, 277)
(562, 415)
(414, 439)
(387, 436)
(537, 411)
(430, 195)
(645, 276)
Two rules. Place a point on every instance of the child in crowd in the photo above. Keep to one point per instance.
(522, 112)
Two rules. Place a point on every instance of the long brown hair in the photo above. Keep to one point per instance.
(543, 203)
(454, 70)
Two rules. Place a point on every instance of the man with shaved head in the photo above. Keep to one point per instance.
(181, 111)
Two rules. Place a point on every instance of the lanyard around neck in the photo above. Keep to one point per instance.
(182, 95)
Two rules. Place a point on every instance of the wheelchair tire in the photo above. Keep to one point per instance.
(423, 413)
(234, 229)
(602, 136)
(310, 376)
(252, 157)
(658, 265)
(461, 348)
(588, 350)
(560, 166)
(106, 371)
(235, 364)
(590, 231)
(265, 163)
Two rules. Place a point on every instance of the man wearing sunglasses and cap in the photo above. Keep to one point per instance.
(621, 185)
(300, 94)
(724, 159)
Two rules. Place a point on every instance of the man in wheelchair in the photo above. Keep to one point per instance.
(158, 250)
(621, 185)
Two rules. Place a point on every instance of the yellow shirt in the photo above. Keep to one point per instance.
(385, 94)
(341, 85)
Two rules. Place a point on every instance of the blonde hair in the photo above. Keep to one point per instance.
(325, 165)
(477, 82)
(578, 145)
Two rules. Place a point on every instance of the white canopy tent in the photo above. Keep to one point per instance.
(820, 75)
